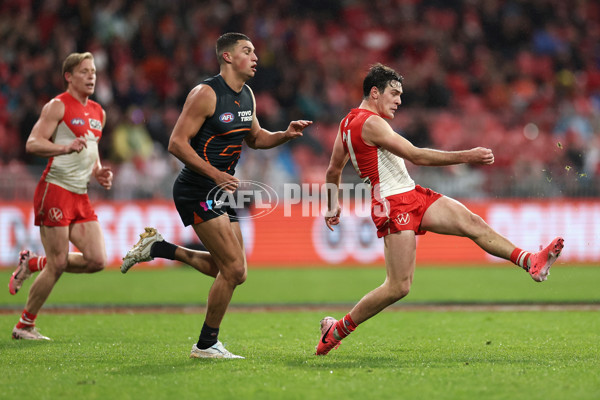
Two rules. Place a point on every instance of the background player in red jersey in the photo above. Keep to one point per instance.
(218, 115)
(400, 209)
(67, 132)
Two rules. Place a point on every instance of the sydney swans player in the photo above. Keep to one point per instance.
(67, 133)
(400, 208)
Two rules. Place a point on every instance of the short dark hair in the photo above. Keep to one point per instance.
(227, 41)
(379, 76)
(72, 61)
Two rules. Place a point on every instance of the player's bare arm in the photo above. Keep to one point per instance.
(103, 175)
(260, 138)
(39, 142)
(333, 176)
(377, 131)
(199, 105)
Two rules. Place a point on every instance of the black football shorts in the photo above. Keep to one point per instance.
(198, 203)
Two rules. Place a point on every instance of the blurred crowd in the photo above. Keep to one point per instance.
(521, 77)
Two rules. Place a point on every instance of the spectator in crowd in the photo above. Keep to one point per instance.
(483, 70)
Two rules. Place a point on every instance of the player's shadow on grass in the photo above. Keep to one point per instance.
(177, 366)
(11, 344)
(350, 361)
(401, 358)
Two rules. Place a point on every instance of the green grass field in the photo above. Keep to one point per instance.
(401, 353)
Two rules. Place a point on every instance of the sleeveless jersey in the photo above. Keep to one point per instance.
(384, 171)
(73, 171)
(219, 140)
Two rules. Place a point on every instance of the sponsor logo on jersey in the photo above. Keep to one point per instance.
(77, 121)
(95, 124)
(245, 116)
(226, 117)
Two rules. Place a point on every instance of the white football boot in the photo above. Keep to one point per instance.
(28, 334)
(215, 351)
(141, 251)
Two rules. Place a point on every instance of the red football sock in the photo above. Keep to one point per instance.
(520, 257)
(27, 320)
(345, 326)
(37, 263)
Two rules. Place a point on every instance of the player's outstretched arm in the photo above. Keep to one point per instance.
(260, 138)
(378, 132)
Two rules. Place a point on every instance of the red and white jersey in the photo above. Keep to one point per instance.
(384, 171)
(72, 171)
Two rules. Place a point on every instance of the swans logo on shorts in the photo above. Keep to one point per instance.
(55, 214)
(226, 117)
(403, 219)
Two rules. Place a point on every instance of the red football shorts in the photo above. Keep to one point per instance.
(55, 206)
(403, 211)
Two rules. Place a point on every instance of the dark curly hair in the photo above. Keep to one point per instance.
(379, 76)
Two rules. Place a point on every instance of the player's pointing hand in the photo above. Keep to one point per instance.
(296, 127)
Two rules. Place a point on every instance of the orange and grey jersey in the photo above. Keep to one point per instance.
(384, 171)
(73, 171)
(219, 140)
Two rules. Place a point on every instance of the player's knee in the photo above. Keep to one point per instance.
(477, 221)
(236, 272)
(57, 265)
(55, 271)
(96, 264)
(401, 293)
(474, 226)
(240, 274)
(398, 291)
(241, 277)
